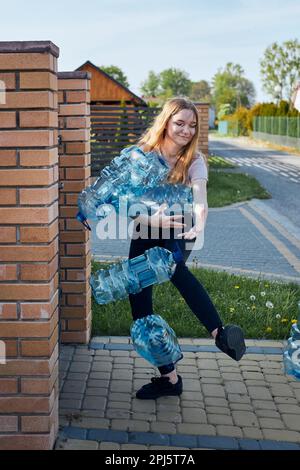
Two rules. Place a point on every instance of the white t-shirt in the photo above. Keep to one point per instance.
(197, 169)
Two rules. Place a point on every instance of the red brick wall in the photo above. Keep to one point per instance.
(203, 109)
(29, 245)
(75, 171)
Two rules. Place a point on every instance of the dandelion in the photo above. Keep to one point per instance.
(269, 329)
(278, 316)
(262, 294)
(294, 321)
(252, 297)
(236, 287)
(253, 307)
(284, 320)
(231, 309)
(269, 304)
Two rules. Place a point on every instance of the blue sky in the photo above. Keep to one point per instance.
(140, 35)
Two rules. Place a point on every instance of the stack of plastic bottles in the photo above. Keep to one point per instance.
(127, 176)
(291, 354)
(173, 194)
(130, 276)
(155, 340)
(132, 177)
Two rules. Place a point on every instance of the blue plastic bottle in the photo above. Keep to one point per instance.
(172, 194)
(291, 353)
(130, 276)
(128, 174)
(155, 340)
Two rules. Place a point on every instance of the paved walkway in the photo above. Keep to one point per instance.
(226, 404)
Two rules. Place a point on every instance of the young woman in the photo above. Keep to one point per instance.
(174, 136)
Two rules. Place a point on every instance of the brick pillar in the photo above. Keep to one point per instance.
(203, 116)
(75, 172)
(29, 245)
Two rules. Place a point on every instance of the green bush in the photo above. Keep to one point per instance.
(271, 109)
(241, 121)
(238, 122)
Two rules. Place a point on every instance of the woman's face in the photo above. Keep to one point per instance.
(181, 127)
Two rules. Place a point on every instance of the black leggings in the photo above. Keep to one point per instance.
(189, 287)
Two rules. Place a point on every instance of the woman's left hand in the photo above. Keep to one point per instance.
(192, 233)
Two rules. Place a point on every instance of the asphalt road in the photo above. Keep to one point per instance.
(278, 172)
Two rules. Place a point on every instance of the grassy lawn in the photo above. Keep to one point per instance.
(262, 308)
(216, 162)
(226, 188)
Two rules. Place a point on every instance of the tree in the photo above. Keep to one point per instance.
(151, 86)
(230, 86)
(280, 68)
(175, 82)
(225, 110)
(200, 91)
(116, 73)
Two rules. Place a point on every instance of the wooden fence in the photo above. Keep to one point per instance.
(115, 127)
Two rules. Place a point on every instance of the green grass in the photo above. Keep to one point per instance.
(216, 162)
(231, 297)
(227, 188)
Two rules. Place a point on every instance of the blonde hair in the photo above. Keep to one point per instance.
(154, 136)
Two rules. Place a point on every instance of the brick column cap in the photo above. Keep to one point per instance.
(29, 46)
(75, 74)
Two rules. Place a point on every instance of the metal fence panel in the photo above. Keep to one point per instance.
(277, 125)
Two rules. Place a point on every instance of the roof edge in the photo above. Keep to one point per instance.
(88, 62)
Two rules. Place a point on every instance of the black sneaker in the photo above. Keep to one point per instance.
(159, 387)
(230, 339)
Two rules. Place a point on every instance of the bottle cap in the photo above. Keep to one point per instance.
(163, 162)
(83, 220)
(177, 254)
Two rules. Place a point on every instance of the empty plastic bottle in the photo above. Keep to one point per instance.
(155, 340)
(172, 194)
(177, 196)
(155, 266)
(128, 173)
(291, 353)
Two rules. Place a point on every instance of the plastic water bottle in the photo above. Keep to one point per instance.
(130, 276)
(291, 353)
(155, 340)
(128, 173)
(172, 194)
(178, 198)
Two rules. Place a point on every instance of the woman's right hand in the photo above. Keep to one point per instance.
(160, 219)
